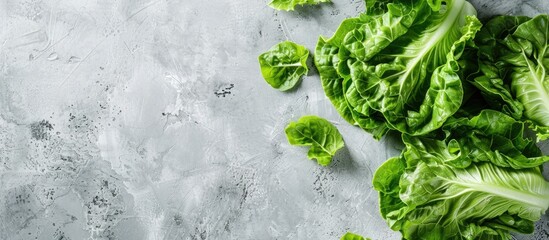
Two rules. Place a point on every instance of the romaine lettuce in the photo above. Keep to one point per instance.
(480, 180)
(396, 66)
(491, 136)
(514, 63)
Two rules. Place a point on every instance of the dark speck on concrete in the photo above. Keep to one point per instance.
(40, 130)
(224, 90)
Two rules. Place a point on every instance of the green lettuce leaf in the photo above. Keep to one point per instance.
(492, 83)
(284, 65)
(337, 87)
(514, 62)
(490, 137)
(482, 200)
(530, 79)
(398, 65)
(375, 7)
(386, 181)
(289, 5)
(425, 195)
(323, 138)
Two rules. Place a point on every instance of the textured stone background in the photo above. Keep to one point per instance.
(148, 119)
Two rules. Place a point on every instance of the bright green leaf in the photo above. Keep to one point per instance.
(399, 64)
(514, 65)
(321, 136)
(284, 65)
(439, 201)
(483, 200)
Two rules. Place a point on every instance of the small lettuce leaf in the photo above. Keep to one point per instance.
(289, 5)
(352, 236)
(323, 138)
(284, 65)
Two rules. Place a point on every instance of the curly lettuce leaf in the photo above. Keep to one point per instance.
(289, 5)
(284, 65)
(398, 66)
(445, 94)
(482, 201)
(336, 86)
(325, 59)
(375, 7)
(330, 57)
(386, 182)
(323, 138)
(530, 79)
(364, 116)
(493, 82)
(415, 83)
(424, 195)
(377, 32)
(490, 137)
(514, 61)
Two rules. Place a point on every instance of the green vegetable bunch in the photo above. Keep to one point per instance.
(464, 97)
(397, 66)
(478, 180)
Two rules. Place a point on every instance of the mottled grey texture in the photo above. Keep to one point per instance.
(149, 119)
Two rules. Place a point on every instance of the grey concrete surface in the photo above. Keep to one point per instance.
(149, 119)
